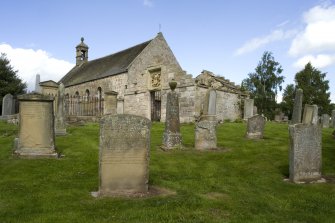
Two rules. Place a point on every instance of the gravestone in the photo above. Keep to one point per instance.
(60, 127)
(248, 108)
(310, 114)
(37, 84)
(124, 155)
(36, 126)
(297, 108)
(110, 103)
(333, 119)
(305, 152)
(255, 112)
(205, 128)
(172, 137)
(255, 127)
(8, 105)
(325, 121)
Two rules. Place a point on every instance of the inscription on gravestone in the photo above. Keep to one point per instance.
(305, 152)
(124, 154)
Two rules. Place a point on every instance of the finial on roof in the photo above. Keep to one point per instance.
(82, 39)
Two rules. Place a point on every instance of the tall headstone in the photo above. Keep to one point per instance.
(325, 121)
(310, 114)
(172, 137)
(205, 128)
(124, 155)
(333, 119)
(248, 108)
(255, 127)
(297, 108)
(36, 128)
(37, 84)
(60, 126)
(7, 105)
(110, 103)
(305, 152)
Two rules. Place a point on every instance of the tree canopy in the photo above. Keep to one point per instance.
(315, 90)
(9, 81)
(264, 83)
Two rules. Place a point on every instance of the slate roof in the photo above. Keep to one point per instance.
(103, 67)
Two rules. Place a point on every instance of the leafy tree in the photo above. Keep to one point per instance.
(9, 81)
(288, 100)
(315, 87)
(264, 84)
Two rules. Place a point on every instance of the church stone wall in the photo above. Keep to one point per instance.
(138, 104)
(112, 83)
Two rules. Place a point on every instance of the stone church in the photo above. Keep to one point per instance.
(138, 78)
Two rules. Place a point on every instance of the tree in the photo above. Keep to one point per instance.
(312, 82)
(264, 84)
(9, 81)
(288, 100)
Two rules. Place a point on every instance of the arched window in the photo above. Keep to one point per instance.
(99, 97)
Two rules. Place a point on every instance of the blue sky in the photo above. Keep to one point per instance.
(227, 37)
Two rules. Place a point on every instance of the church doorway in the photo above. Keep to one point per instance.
(155, 105)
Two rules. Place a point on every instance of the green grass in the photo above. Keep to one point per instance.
(243, 182)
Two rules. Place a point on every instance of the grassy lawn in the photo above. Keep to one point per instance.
(241, 183)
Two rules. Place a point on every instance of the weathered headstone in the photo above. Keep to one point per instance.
(7, 105)
(36, 127)
(325, 121)
(310, 114)
(37, 84)
(60, 127)
(110, 103)
(333, 119)
(172, 137)
(248, 108)
(205, 128)
(305, 152)
(297, 108)
(255, 112)
(255, 127)
(124, 155)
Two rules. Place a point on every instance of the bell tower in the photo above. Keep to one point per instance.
(81, 53)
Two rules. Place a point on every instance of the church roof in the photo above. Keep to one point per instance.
(103, 67)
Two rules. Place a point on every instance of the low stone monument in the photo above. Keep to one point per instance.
(255, 127)
(305, 152)
(124, 155)
(60, 126)
(36, 126)
(110, 103)
(248, 108)
(205, 128)
(325, 121)
(172, 137)
(310, 114)
(333, 119)
(8, 105)
(297, 108)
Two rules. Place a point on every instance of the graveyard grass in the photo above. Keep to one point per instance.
(242, 182)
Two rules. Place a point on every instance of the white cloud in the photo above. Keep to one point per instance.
(319, 33)
(148, 3)
(318, 61)
(30, 62)
(256, 43)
